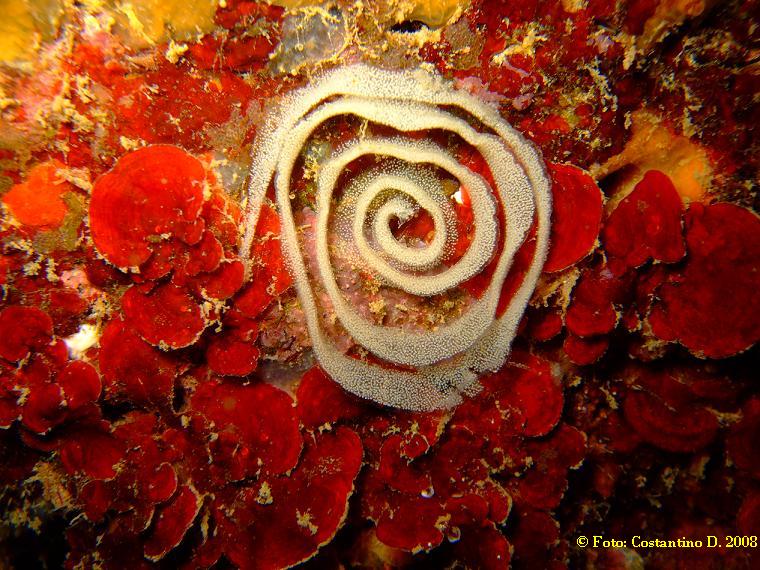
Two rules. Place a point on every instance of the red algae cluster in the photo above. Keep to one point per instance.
(159, 404)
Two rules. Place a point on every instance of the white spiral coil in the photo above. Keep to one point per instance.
(448, 359)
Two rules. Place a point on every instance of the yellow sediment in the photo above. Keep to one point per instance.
(434, 13)
(25, 25)
(143, 23)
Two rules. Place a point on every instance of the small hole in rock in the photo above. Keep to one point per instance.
(409, 26)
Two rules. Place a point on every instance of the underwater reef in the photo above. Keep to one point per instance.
(379, 284)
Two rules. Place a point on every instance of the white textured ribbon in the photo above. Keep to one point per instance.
(448, 359)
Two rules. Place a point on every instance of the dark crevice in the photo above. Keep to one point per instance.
(409, 27)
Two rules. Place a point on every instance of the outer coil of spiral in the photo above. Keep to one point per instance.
(446, 360)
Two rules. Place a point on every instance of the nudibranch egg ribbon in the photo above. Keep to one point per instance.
(446, 360)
